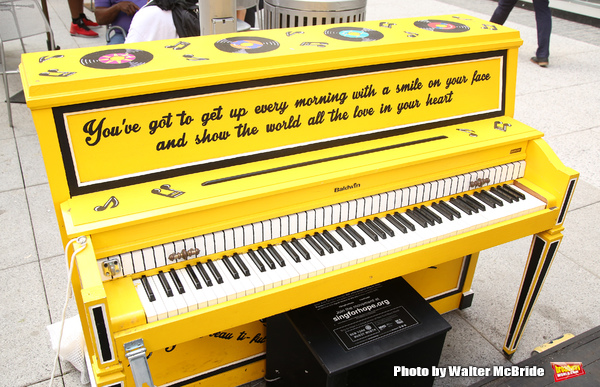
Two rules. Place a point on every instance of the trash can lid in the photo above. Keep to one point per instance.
(320, 5)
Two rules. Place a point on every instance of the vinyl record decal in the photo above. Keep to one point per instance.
(441, 26)
(353, 34)
(246, 45)
(116, 59)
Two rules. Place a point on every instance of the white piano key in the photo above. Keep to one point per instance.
(255, 277)
(293, 224)
(188, 296)
(336, 213)
(311, 220)
(241, 285)
(276, 228)
(302, 221)
(229, 238)
(320, 217)
(202, 296)
(360, 207)
(149, 258)
(178, 298)
(160, 294)
(219, 239)
(127, 263)
(248, 234)
(149, 310)
(238, 237)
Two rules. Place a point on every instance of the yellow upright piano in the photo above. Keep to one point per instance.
(207, 183)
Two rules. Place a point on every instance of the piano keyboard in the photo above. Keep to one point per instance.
(198, 285)
(153, 257)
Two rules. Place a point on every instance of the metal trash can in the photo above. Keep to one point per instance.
(299, 13)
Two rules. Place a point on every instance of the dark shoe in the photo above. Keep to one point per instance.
(80, 29)
(542, 62)
(87, 21)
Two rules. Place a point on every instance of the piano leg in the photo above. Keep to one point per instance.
(541, 254)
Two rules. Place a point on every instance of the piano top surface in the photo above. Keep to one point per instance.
(55, 78)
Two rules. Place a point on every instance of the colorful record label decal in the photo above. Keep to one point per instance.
(247, 45)
(353, 34)
(116, 59)
(441, 26)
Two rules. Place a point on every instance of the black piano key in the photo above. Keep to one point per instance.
(276, 255)
(305, 254)
(331, 239)
(357, 237)
(214, 271)
(417, 218)
(345, 236)
(176, 281)
(190, 271)
(256, 261)
(290, 250)
(473, 208)
(516, 193)
(452, 210)
(474, 202)
(267, 258)
(461, 205)
(396, 223)
(428, 219)
(404, 221)
(370, 233)
(314, 244)
(489, 196)
(447, 214)
(426, 211)
(165, 284)
(501, 195)
(240, 262)
(507, 189)
(319, 238)
(383, 227)
(230, 267)
(148, 289)
(375, 229)
(485, 199)
(203, 274)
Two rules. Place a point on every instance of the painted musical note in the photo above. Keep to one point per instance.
(471, 132)
(112, 202)
(385, 24)
(315, 44)
(499, 125)
(488, 27)
(179, 46)
(290, 33)
(56, 73)
(46, 57)
(411, 34)
(167, 187)
(193, 58)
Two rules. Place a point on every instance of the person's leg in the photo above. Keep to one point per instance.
(543, 20)
(80, 23)
(502, 11)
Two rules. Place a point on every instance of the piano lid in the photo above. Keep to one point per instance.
(87, 74)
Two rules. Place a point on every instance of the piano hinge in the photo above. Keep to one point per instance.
(135, 352)
(111, 267)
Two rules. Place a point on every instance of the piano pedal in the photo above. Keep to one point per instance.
(135, 352)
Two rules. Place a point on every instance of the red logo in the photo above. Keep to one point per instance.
(566, 370)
